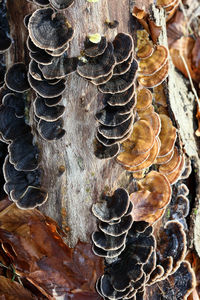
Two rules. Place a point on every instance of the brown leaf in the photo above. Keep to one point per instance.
(39, 254)
(11, 290)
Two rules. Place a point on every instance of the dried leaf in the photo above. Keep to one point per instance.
(38, 253)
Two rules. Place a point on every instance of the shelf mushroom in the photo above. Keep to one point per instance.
(16, 78)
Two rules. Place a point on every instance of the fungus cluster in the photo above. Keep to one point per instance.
(170, 7)
(5, 40)
(153, 65)
(49, 37)
(56, 4)
(112, 68)
(133, 260)
(21, 169)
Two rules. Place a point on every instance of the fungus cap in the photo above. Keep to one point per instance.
(93, 50)
(98, 66)
(113, 207)
(123, 67)
(16, 78)
(105, 152)
(152, 64)
(109, 116)
(49, 29)
(16, 102)
(123, 46)
(47, 113)
(51, 130)
(120, 83)
(172, 164)
(155, 79)
(120, 98)
(144, 99)
(117, 229)
(108, 242)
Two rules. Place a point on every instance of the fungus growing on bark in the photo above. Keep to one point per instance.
(95, 49)
(108, 242)
(47, 113)
(16, 102)
(41, 57)
(109, 142)
(123, 46)
(116, 132)
(167, 136)
(150, 159)
(60, 67)
(117, 229)
(172, 242)
(172, 164)
(109, 116)
(155, 79)
(113, 207)
(26, 160)
(11, 127)
(45, 89)
(154, 120)
(35, 71)
(152, 64)
(16, 78)
(174, 176)
(61, 4)
(150, 201)
(144, 99)
(120, 83)
(123, 67)
(98, 66)
(5, 41)
(41, 2)
(49, 30)
(52, 101)
(103, 79)
(120, 98)
(51, 130)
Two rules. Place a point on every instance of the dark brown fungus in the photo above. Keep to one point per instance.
(52, 101)
(16, 78)
(112, 207)
(51, 130)
(93, 50)
(120, 83)
(107, 289)
(32, 197)
(107, 242)
(26, 20)
(123, 46)
(172, 242)
(123, 67)
(23, 153)
(118, 131)
(98, 66)
(179, 285)
(5, 41)
(117, 229)
(105, 152)
(102, 80)
(124, 109)
(183, 189)
(59, 67)
(49, 29)
(35, 71)
(47, 113)
(41, 2)
(109, 142)
(120, 99)
(44, 89)
(41, 57)
(18, 181)
(15, 101)
(156, 275)
(109, 116)
(188, 169)
(59, 51)
(107, 254)
(11, 127)
(61, 4)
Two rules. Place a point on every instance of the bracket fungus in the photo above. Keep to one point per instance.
(122, 98)
(98, 66)
(95, 49)
(120, 83)
(15, 101)
(61, 4)
(51, 130)
(47, 113)
(16, 78)
(60, 67)
(149, 203)
(49, 30)
(123, 46)
(5, 40)
(152, 64)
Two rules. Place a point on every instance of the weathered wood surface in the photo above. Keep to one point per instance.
(72, 193)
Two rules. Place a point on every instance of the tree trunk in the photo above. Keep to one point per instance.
(72, 192)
